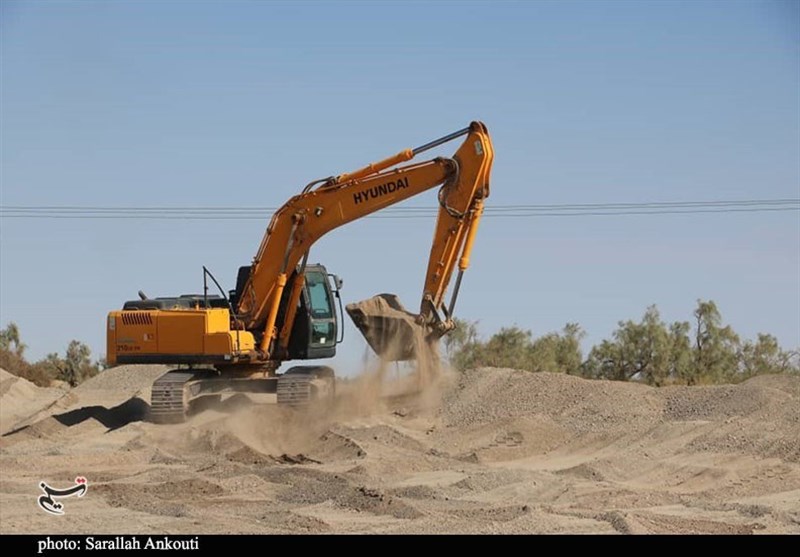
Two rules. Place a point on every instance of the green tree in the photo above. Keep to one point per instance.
(12, 358)
(716, 347)
(462, 345)
(681, 361)
(509, 347)
(516, 348)
(557, 352)
(76, 366)
(764, 356)
(9, 340)
(568, 353)
(464, 333)
(648, 351)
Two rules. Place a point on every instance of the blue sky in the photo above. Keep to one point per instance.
(242, 103)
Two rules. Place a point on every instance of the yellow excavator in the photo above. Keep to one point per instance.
(284, 308)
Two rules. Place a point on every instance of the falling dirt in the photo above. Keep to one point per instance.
(489, 450)
(395, 335)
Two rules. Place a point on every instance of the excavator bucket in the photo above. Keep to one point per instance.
(391, 331)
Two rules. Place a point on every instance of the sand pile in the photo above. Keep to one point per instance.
(19, 399)
(760, 417)
(501, 451)
(124, 381)
(486, 395)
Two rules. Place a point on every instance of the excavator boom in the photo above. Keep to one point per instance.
(330, 203)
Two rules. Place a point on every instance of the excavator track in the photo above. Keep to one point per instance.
(170, 398)
(304, 385)
(295, 390)
(178, 393)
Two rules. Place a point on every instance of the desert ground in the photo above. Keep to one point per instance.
(485, 451)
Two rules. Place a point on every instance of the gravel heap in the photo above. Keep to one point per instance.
(485, 395)
(760, 416)
(125, 379)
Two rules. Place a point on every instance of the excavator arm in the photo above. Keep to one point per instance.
(327, 204)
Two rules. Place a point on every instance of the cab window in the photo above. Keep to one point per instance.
(318, 295)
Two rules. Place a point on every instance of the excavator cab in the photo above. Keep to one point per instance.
(316, 325)
(316, 330)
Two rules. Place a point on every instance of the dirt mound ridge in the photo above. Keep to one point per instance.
(19, 399)
(505, 451)
(125, 380)
(113, 398)
(486, 395)
(481, 417)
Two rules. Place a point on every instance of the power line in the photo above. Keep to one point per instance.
(509, 215)
(491, 211)
(784, 201)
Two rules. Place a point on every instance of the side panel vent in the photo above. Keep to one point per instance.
(137, 318)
